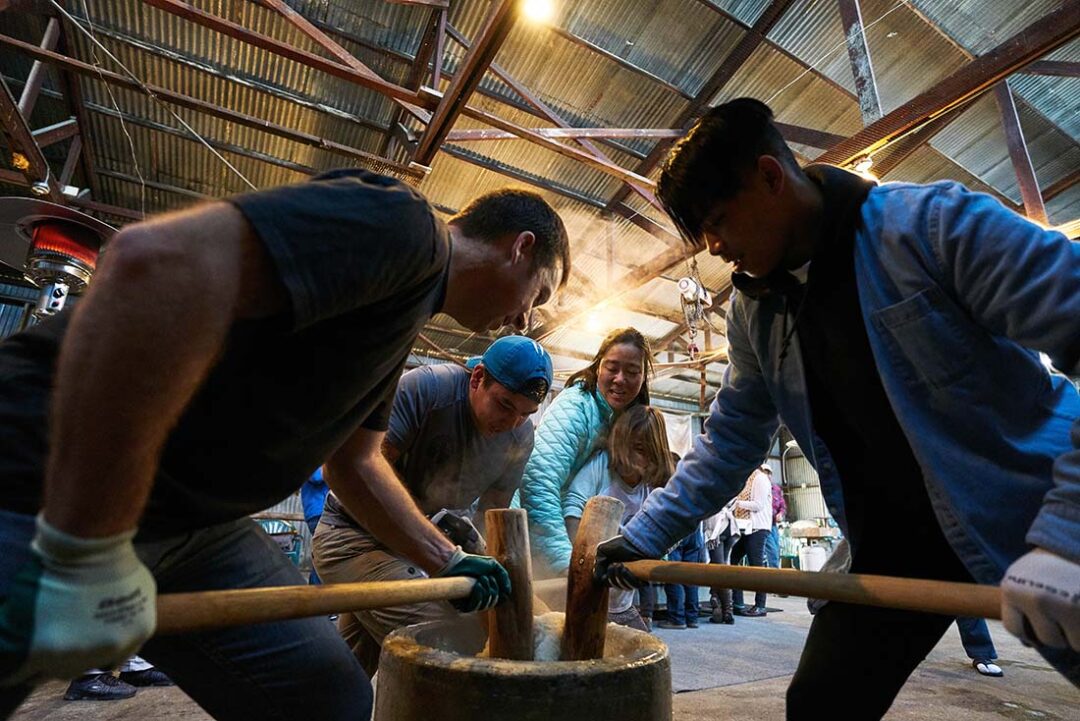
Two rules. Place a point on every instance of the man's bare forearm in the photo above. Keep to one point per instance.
(370, 490)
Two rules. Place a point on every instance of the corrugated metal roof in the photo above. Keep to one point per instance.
(680, 41)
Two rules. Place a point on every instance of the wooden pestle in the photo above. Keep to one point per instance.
(586, 600)
(510, 624)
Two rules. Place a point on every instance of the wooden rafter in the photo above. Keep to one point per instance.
(1018, 153)
(76, 105)
(862, 69)
(1060, 186)
(1061, 68)
(56, 132)
(1037, 39)
(15, 178)
(73, 156)
(26, 155)
(429, 41)
(497, 26)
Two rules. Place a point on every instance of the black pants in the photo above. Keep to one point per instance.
(873, 649)
(752, 548)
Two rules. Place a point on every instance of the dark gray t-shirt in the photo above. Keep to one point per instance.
(445, 462)
(364, 261)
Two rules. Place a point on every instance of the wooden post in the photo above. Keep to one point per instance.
(587, 601)
(510, 624)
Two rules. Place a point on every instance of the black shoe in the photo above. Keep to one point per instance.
(750, 612)
(103, 687)
(146, 677)
(671, 626)
(691, 623)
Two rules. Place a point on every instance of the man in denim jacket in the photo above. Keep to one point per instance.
(895, 330)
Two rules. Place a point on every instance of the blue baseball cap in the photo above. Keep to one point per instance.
(519, 363)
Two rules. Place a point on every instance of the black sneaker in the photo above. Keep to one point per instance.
(103, 687)
(670, 625)
(691, 622)
(146, 677)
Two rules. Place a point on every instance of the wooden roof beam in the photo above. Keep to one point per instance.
(1018, 153)
(497, 26)
(429, 41)
(1060, 186)
(1061, 68)
(56, 132)
(1034, 41)
(26, 156)
(792, 133)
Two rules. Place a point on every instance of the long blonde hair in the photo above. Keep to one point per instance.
(645, 425)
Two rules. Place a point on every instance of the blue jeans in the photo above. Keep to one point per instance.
(682, 601)
(281, 671)
(975, 635)
(772, 548)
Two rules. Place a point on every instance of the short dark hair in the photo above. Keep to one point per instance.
(510, 211)
(709, 163)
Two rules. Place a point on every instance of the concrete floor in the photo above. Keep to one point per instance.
(731, 672)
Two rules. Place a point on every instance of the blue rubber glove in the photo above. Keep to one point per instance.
(80, 603)
(609, 568)
(492, 580)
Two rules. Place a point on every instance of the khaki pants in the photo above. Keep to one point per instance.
(348, 555)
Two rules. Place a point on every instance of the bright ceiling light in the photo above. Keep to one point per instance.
(594, 322)
(864, 164)
(539, 11)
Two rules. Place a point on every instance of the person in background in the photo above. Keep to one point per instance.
(871, 320)
(779, 510)
(721, 533)
(457, 436)
(753, 516)
(633, 462)
(313, 497)
(580, 414)
(683, 606)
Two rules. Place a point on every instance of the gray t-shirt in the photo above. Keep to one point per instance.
(445, 461)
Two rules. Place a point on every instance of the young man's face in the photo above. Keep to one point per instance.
(495, 408)
(750, 230)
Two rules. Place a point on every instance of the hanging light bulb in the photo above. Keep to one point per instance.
(539, 11)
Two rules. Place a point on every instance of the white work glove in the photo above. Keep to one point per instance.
(80, 603)
(1040, 600)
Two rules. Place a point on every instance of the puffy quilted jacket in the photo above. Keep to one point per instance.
(566, 435)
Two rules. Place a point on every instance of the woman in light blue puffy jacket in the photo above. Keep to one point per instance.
(613, 381)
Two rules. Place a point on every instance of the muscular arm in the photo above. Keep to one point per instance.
(140, 344)
(364, 481)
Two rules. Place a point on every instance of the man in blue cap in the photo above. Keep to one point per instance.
(459, 438)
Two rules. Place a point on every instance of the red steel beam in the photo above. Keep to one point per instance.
(1018, 153)
(1034, 41)
(497, 26)
(74, 153)
(55, 133)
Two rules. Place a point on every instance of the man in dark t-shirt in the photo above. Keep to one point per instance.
(458, 439)
(221, 355)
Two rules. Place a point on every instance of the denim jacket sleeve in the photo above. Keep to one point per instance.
(1022, 282)
(741, 422)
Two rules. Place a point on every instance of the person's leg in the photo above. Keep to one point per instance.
(340, 559)
(772, 548)
(975, 635)
(281, 670)
(676, 611)
(874, 648)
(695, 553)
(755, 556)
(647, 604)
(738, 553)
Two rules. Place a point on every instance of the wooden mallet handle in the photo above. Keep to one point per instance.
(586, 601)
(510, 624)
(912, 594)
(206, 610)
